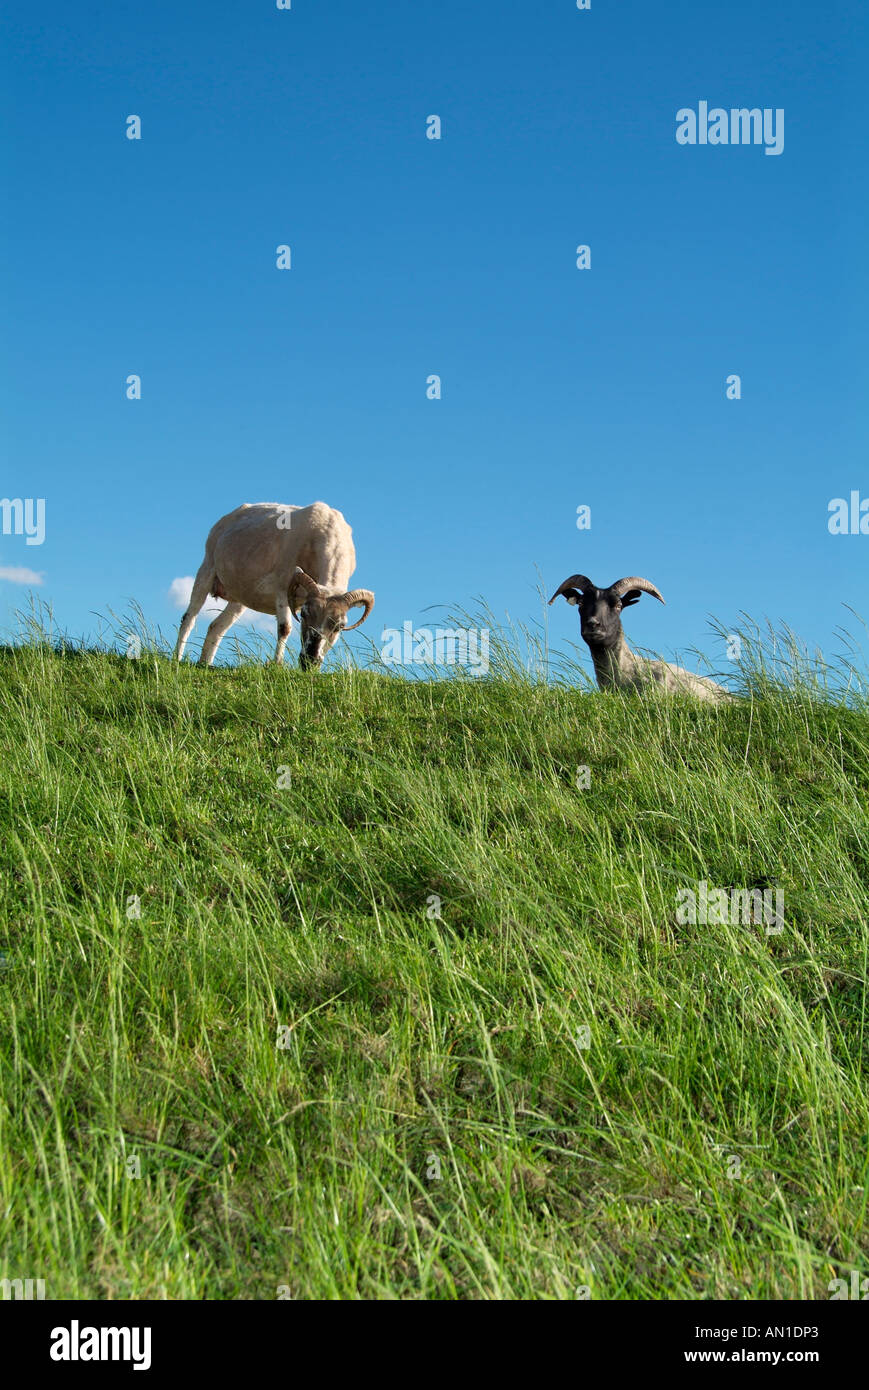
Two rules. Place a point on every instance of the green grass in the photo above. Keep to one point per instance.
(711, 1142)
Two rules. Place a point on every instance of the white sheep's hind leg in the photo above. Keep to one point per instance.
(221, 625)
(282, 612)
(202, 586)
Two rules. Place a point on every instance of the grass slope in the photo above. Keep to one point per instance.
(429, 1127)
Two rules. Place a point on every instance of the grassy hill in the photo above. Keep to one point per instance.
(331, 1090)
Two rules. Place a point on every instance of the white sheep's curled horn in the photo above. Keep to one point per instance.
(359, 596)
(300, 581)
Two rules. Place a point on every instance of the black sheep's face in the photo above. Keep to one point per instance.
(600, 610)
(599, 616)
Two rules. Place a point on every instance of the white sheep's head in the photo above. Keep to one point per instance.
(322, 616)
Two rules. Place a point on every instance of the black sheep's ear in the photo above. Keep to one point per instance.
(632, 596)
(573, 596)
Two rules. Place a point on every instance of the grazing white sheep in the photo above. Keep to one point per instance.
(279, 559)
(615, 665)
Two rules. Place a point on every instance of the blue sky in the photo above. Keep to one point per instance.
(602, 387)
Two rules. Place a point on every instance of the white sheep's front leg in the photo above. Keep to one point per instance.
(282, 612)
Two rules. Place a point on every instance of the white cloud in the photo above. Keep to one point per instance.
(179, 595)
(17, 574)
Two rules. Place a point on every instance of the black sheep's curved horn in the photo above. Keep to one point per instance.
(576, 581)
(622, 586)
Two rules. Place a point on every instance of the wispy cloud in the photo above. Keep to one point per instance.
(179, 596)
(18, 574)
